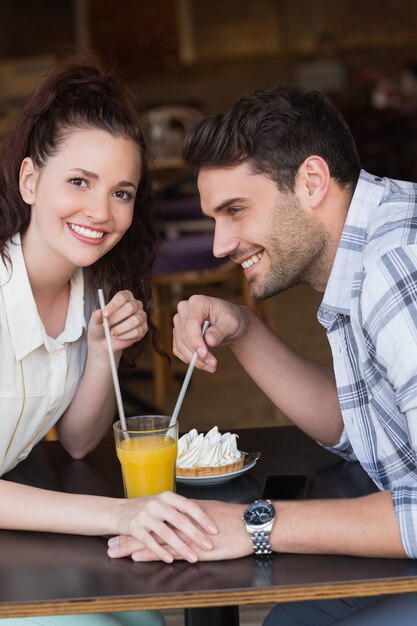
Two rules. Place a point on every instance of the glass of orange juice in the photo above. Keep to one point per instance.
(147, 452)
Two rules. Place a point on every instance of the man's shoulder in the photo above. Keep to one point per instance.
(398, 192)
(390, 250)
(393, 223)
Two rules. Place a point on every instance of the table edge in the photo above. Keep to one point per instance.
(236, 597)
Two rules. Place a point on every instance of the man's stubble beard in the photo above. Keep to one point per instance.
(305, 257)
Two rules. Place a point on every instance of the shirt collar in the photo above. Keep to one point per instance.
(27, 331)
(348, 260)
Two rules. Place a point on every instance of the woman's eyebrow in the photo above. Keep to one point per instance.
(85, 172)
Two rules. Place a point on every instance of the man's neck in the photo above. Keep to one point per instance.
(334, 213)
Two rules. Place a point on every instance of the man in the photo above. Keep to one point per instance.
(280, 176)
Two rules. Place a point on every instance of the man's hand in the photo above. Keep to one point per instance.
(228, 324)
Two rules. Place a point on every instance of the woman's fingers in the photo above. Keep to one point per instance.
(127, 321)
(166, 520)
(164, 516)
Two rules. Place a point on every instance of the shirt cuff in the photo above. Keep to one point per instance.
(405, 507)
(343, 448)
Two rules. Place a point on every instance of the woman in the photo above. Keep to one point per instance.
(75, 211)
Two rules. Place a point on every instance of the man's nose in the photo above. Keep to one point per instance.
(224, 242)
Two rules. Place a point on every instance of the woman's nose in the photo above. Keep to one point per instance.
(98, 209)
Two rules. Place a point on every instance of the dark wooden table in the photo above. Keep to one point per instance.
(47, 574)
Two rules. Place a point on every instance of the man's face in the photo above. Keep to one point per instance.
(278, 242)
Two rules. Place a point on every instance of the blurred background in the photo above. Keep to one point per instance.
(189, 58)
(208, 54)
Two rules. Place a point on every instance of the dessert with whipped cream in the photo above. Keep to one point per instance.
(207, 455)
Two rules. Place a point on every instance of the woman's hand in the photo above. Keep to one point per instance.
(127, 321)
(91, 411)
(163, 525)
(231, 541)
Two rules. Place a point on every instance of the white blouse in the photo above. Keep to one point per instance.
(39, 375)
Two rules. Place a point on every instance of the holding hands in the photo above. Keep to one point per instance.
(162, 527)
(155, 532)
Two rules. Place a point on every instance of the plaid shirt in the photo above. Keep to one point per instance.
(369, 311)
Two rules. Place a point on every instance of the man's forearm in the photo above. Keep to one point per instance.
(305, 391)
(365, 526)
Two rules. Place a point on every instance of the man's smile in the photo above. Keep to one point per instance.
(255, 258)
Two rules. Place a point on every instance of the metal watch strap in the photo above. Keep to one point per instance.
(260, 541)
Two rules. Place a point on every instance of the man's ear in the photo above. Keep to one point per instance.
(28, 178)
(313, 180)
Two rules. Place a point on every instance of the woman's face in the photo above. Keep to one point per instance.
(82, 199)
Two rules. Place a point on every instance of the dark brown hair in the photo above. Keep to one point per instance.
(78, 93)
(275, 130)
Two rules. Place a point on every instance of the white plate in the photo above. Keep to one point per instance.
(214, 479)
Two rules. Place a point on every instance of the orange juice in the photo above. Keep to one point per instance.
(148, 464)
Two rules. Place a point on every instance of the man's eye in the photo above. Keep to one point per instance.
(233, 210)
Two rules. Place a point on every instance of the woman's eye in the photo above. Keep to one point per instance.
(123, 195)
(78, 182)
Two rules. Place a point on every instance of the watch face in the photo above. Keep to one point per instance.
(259, 513)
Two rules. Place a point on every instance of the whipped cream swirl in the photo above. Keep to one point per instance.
(212, 449)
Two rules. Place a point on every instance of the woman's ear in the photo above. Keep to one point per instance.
(28, 177)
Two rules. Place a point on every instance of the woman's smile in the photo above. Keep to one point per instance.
(87, 234)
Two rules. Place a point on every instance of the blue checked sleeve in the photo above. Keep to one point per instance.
(390, 368)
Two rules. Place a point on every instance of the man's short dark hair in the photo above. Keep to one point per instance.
(275, 130)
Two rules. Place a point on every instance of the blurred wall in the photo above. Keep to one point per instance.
(208, 54)
(215, 51)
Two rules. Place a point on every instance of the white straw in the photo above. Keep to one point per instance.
(187, 379)
(112, 363)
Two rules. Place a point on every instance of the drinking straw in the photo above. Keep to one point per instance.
(187, 379)
(112, 363)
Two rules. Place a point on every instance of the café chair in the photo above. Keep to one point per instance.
(186, 263)
(167, 126)
(180, 215)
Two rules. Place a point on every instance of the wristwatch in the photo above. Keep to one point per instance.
(259, 519)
